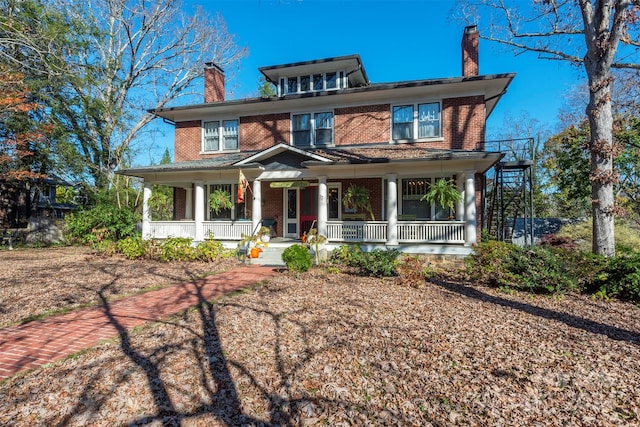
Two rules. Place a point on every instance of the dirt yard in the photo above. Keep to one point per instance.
(324, 348)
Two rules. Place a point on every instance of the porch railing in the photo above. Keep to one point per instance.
(431, 232)
(357, 231)
(165, 229)
(227, 230)
(223, 230)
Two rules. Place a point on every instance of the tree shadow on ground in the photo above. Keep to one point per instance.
(591, 326)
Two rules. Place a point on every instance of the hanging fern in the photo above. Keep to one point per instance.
(444, 193)
(357, 197)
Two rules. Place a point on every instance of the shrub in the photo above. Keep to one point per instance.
(103, 222)
(377, 263)
(209, 250)
(133, 247)
(621, 279)
(345, 254)
(537, 269)
(178, 249)
(297, 258)
(555, 241)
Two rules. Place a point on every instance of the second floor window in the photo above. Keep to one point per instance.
(416, 121)
(220, 135)
(312, 129)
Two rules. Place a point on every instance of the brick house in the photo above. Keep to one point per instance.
(328, 128)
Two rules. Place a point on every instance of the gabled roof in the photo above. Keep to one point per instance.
(351, 64)
(278, 149)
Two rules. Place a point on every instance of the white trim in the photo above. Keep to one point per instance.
(220, 149)
(415, 128)
(277, 149)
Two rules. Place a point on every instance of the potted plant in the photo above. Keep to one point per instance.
(219, 200)
(265, 234)
(444, 193)
(357, 197)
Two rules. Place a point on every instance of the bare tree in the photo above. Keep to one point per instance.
(135, 55)
(599, 35)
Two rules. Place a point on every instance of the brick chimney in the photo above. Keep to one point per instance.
(213, 83)
(470, 41)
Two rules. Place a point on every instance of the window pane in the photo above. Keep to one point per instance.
(230, 134)
(301, 122)
(305, 83)
(332, 81)
(403, 122)
(292, 85)
(412, 191)
(211, 136)
(324, 128)
(428, 120)
(317, 82)
(334, 202)
(224, 213)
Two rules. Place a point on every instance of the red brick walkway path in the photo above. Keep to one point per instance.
(53, 338)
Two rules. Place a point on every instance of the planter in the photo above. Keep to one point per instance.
(265, 238)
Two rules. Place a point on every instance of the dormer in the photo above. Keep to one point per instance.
(322, 75)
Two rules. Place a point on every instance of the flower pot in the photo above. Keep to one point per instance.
(265, 238)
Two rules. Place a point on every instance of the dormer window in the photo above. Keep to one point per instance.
(312, 83)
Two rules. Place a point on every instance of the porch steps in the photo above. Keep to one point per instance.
(271, 255)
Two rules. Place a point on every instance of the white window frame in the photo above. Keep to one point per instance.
(221, 137)
(341, 83)
(433, 208)
(416, 121)
(312, 121)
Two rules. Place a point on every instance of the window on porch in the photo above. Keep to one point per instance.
(237, 212)
(410, 206)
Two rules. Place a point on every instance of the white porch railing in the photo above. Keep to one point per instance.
(227, 230)
(222, 230)
(357, 231)
(165, 229)
(431, 232)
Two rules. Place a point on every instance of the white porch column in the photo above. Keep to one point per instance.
(256, 207)
(188, 204)
(460, 204)
(323, 210)
(146, 213)
(392, 210)
(198, 214)
(470, 227)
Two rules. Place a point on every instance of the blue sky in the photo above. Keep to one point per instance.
(396, 39)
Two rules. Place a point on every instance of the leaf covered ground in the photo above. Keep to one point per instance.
(326, 348)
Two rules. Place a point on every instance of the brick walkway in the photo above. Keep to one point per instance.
(53, 338)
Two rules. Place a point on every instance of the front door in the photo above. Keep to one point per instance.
(308, 208)
(291, 213)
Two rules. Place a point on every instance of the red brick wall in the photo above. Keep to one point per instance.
(188, 141)
(179, 203)
(463, 123)
(213, 84)
(264, 131)
(362, 125)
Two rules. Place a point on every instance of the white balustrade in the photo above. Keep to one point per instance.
(165, 229)
(220, 230)
(408, 231)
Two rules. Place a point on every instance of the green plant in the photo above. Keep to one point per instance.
(133, 247)
(377, 263)
(219, 200)
(297, 258)
(209, 250)
(627, 235)
(103, 222)
(314, 238)
(178, 249)
(621, 279)
(444, 193)
(357, 197)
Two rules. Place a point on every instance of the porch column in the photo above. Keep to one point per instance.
(188, 203)
(198, 213)
(470, 227)
(392, 210)
(256, 206)
(322, 205)
(460, 204)
(146, 213)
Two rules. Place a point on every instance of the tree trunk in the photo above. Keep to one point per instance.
(601, 146)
